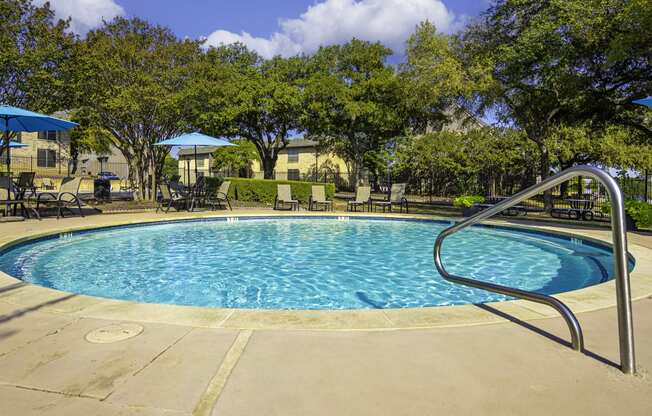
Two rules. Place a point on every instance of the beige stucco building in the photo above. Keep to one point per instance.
(298, 160)
(48, 154)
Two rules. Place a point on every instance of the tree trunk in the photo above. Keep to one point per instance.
(545, 173)
(268, 167)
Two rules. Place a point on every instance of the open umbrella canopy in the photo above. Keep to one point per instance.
(17, 119)
(644, 101)
(194, 139)
(16, 145)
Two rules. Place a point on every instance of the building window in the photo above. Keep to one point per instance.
(48, 135)
(46, 158)
(201, 163)
(294, 175)
(293, 155)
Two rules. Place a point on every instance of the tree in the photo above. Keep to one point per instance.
(34, 56)
(551, 63)
(488, 160)
(353, 101)
(132, 81)
(170, 166)
(244, 96)
(434, 79)
(235, 158)
(85, 139)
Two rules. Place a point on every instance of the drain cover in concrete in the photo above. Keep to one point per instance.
(114, 333)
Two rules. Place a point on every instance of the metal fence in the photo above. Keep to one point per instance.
(60, 167)
(426, 190)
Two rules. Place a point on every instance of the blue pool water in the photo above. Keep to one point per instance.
(303, 263)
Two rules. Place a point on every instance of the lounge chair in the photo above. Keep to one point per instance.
(68, 196)
(318, 198)
(396, 197)
(579, 209)
(362, 199)
(170, 199)
(284, 197)
(222, 195)
(11, 197)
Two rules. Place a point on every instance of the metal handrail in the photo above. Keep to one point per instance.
(623, 294)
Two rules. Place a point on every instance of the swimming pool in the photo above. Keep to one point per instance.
(303, 263)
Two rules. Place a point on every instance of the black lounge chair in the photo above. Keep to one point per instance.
(514, 211)
(579, 209)
(68, 196)
(396, 197)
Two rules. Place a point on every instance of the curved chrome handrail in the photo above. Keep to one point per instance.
(623, 293)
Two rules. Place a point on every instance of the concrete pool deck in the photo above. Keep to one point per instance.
(502, 358)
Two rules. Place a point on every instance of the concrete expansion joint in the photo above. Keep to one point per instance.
(60, 393)
(166, 349)
(215, 387)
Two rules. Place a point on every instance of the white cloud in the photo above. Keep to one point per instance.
(337, 21)
(84, 14)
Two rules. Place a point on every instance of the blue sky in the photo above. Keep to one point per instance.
(279, 27)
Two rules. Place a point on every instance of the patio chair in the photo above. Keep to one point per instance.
(318, 198)
(222, 195)
(396, 197)
(68, 196)
(11, 197)
(362, 199)
(284, 197)
(169, 199)
(26, 185)
(198, 193)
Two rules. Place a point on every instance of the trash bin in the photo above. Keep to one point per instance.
(102, 190)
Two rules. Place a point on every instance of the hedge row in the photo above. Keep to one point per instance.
(264, 190)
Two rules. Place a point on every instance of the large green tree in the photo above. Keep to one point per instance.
(34, 57)
(436, 83)
(552, 63)
(132, 81)
(486, 161)
(353, 101)
(241, 95)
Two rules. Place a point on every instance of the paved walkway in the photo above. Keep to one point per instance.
(49, 367)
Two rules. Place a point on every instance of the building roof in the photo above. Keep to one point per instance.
(201, 150)
(301, 143)
(205, 150)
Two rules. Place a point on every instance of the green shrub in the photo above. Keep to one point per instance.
(640, 211)
(264, 190)
(467, 201)
(213, 183)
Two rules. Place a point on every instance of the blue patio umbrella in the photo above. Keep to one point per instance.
(13, 119)
(193, 140)
(17, 145)
(644, 101)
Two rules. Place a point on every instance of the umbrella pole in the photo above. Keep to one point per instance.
(7, 144)
(195, 164)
